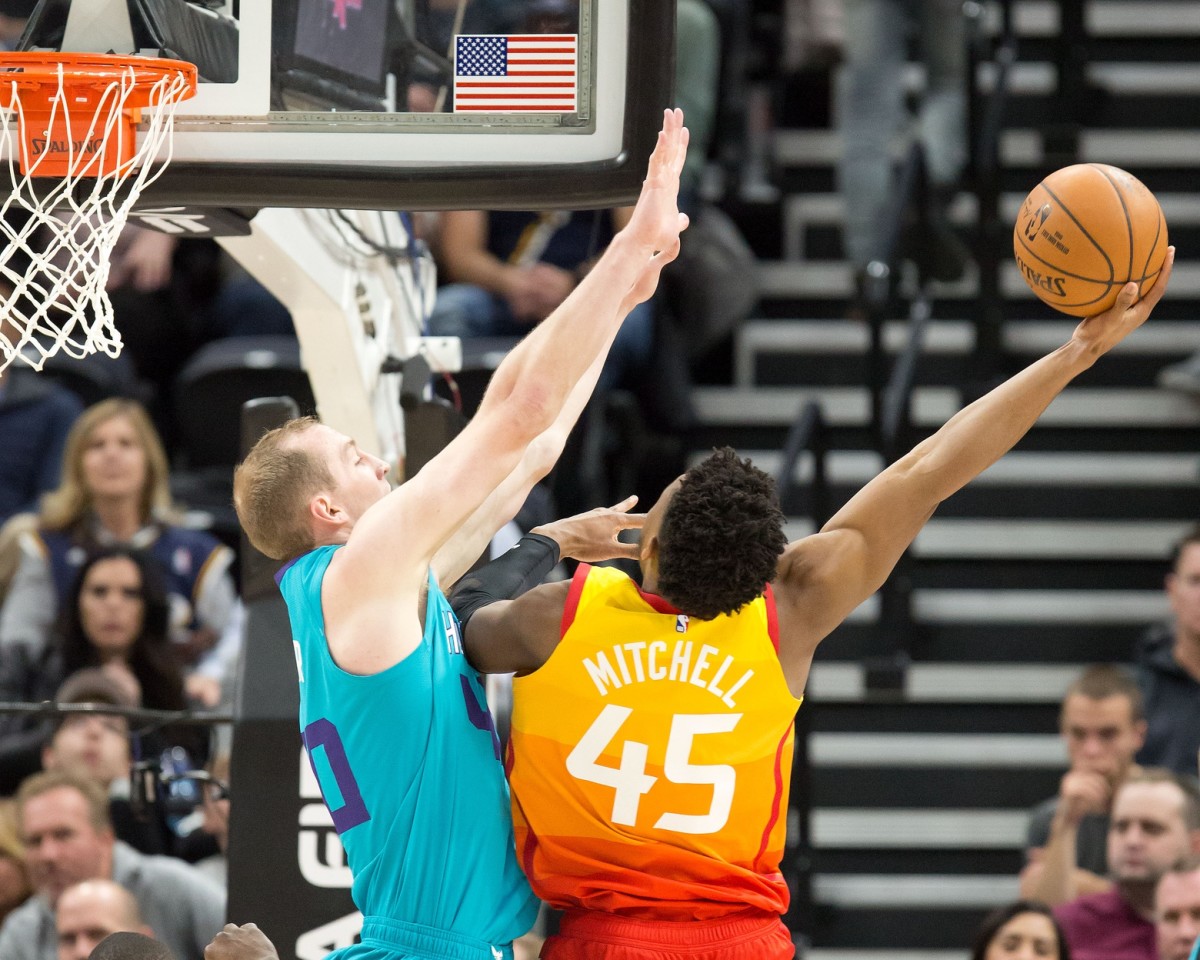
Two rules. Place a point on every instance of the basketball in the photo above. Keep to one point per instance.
(1086, 231)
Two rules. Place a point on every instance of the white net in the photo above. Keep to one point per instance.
(58, 232)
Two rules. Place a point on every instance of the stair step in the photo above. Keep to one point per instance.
(1017, 468)
(1021, 148)
(951, 682)
(826, 339)
(913, 891)
(1007, 538)
(998, 640)
(834, 280)
(919, 829)
(1021, 751)
(805, 211)
(933, 406)
(849, 953)
(929, 788)
(1106, 18)
(1077, 607)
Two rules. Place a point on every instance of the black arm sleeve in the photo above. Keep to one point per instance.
(505, 578)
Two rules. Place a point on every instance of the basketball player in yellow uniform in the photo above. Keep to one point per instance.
(652, 726)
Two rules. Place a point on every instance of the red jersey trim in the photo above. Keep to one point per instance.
(572, 605)
(657, 603)
(772, 618)
(778, 799)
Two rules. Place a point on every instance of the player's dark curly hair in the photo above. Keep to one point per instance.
(721, 537)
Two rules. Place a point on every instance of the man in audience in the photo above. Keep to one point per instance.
(68, 838)
(1177, 910)
(97, 743)
(1102, 725)
(1155, 823)
(90, 911)
(1168, 667)
(130, 946)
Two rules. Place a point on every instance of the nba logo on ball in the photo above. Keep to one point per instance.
(1086, 231)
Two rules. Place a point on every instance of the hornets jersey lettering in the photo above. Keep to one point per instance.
(407, 760)
(650, 758)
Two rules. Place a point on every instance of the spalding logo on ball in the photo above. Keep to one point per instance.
(1086, 231)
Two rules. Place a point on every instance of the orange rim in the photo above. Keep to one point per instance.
(46, 88)
(34, 70)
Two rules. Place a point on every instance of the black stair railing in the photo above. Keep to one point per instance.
(986, 112)
(809, 434)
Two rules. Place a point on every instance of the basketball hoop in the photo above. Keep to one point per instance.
(76, 168)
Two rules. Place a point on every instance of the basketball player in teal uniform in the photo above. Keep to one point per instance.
(393, 718)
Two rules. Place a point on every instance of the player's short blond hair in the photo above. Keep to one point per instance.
(272, 487)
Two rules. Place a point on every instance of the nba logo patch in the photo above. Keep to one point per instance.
(450, 628)
(681, 623)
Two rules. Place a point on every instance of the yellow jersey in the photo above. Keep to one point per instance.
(649, 758)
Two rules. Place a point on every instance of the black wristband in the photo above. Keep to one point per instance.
(505, 578)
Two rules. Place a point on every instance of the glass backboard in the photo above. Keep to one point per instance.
(419, 104)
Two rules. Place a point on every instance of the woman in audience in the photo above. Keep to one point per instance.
(14, 878)
(1023, 930)
(115, 490)
(115, 618)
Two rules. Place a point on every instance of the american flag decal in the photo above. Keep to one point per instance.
(515, 74)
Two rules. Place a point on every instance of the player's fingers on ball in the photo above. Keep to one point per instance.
(1164, 276)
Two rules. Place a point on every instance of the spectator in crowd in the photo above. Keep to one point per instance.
(1155, 823)
(871, 111)
(509, 270)
(68, 839)
(13, 15)
(1168, 667)
(115, 618)
(161, 287)
(97, 746)
(90, 911)
(1102, 725)
(115, 490)
(131, 946)
(1177, 910)
(35, 415)
(14, 878)
(1023, 930)
(11, 532)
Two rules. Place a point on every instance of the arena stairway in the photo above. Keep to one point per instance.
(1052, 559)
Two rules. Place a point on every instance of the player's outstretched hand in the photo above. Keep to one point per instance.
(240, 943)
(1105, 330)
(656, 221)
(592, 536)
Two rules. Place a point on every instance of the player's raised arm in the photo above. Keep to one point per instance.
(467, 543)
(822, 578)
(532, 385)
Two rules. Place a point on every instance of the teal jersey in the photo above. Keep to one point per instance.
(409, 766)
